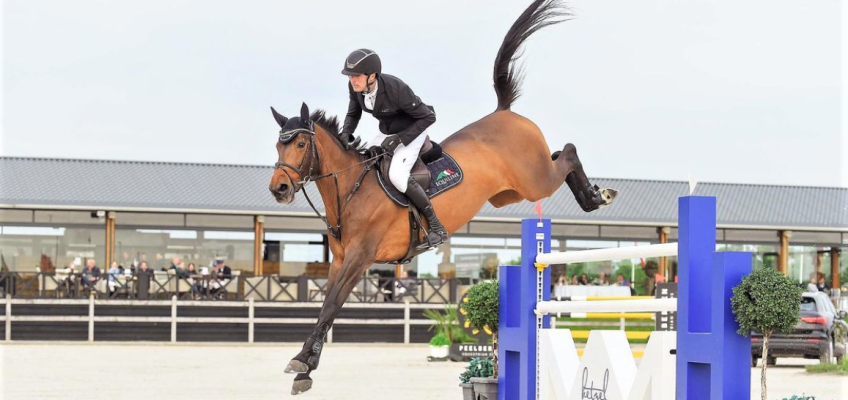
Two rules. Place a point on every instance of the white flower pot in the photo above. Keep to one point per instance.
(439, 351)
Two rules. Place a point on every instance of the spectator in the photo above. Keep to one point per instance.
(602, 280)
(812, 285)
(114, 272)
(68, 282)
(619, 280)
(180, 269)
(821, 285)
(143, 280)
(584, 280)
(90, 275)
(196, 287)
(574, 280)
(562, 280)
(221, 275)
(176, 265)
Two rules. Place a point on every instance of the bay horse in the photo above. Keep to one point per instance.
(503, 156)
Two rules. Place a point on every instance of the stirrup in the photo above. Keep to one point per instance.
(428, 244)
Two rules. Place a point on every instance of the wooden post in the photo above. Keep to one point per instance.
(110, 240)
(834, 267)
(663, 236)
(258, 239)
(783, 256)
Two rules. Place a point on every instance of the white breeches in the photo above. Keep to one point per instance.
(403, 160)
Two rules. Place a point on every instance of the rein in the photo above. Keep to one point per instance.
(336, 231)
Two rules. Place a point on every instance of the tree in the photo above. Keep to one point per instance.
(768, 302)
(480, 308)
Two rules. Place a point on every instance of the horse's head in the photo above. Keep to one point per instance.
(297, 155)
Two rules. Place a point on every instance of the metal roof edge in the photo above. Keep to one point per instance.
(475, 219)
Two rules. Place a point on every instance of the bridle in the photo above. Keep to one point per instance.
(312, 154)
(288, 136)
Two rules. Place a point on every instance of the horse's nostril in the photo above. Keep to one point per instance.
(283, 187)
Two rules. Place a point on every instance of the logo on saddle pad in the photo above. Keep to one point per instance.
(445, 176)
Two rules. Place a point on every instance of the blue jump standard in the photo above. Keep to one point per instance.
(713, 361)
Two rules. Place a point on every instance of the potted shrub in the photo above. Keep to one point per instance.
(766, 301)
(439, 346)
(477, 368)
(480, 308)
(448, 325)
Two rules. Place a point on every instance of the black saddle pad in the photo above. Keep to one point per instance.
(445, 173)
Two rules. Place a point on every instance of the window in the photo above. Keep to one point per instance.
(28, 248)
(289, 254)
(160, 246)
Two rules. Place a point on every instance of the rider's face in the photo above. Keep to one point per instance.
(359, 81)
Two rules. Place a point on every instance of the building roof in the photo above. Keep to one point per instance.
(242, 189)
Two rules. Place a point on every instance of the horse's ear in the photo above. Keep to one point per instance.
(304, 114)
(281, 120)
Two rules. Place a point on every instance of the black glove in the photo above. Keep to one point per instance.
(347, 143)
(391, 143)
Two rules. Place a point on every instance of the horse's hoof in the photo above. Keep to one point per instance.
(607, 195)
(300, 386)
(296, 367)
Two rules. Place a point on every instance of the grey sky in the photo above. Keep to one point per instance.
(729, 91)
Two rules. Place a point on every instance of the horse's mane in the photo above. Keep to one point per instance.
(537, 16)
(330, 123)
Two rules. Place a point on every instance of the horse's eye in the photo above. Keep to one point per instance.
(301, 145)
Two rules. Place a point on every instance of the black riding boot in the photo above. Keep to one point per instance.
(437, 233)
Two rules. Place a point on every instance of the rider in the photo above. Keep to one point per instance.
(403, 118)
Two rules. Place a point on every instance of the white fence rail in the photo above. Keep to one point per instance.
(174, 319)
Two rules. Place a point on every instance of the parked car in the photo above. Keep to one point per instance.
(820, 333)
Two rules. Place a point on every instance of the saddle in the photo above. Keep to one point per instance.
(429, 152)
(432, 162)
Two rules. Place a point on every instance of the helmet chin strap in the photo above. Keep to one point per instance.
(368, 84)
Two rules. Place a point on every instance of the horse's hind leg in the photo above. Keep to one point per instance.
(590, 197)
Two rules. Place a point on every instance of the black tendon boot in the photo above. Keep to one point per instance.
(437, 233)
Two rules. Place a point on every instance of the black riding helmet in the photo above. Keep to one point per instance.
(362, 61)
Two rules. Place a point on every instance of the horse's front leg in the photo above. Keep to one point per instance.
(339, 288)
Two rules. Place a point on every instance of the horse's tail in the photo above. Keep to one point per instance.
(537, 16)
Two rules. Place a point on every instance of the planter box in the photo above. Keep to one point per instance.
(439, 351)
(485, 388)
(467, 391)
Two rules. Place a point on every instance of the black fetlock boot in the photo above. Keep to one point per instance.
(437, 234)
(310, 355)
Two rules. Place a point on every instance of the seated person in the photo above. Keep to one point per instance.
(601, 280)
(90, 275)
(114, 272)
(221, 275)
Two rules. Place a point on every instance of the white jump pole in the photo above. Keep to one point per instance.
(646, 305)
(617, 253)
